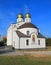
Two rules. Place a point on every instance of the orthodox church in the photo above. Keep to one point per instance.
(24, 35)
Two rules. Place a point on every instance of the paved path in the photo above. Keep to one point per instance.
(6, 51)
(39, 52)
(22, 53)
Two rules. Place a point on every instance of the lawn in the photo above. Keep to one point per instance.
(24, 60)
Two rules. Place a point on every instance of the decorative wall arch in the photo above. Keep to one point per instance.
(33, 38)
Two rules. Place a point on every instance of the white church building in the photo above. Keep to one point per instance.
(24, 35)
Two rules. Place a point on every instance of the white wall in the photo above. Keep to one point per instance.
(42, 43)
(24, 30)
(15, 40)
(9, 35)
(31, 45)
(20, 20)
(27, 20)
(23, 43)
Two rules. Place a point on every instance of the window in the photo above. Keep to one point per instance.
(33, 38)
(27, 42)
(26, 20)
(27, 32)
(38, 42)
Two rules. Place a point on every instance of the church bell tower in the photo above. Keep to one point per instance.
(27, 17)
(20, 18)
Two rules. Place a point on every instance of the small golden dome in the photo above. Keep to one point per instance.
(20, 15)
(28, 15)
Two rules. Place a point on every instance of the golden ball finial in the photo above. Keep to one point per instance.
(28, 15)
(20, 15)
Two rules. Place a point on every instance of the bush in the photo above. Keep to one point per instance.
(48, 42)
(2, 43)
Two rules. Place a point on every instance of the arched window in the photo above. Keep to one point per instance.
(27, 32)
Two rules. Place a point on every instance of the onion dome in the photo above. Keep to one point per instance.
(20, 15)
(27, 15)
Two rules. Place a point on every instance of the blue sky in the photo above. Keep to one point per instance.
(40, 11)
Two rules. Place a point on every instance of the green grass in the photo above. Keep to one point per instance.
(23, 60)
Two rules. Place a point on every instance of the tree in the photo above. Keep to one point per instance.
(4, 39)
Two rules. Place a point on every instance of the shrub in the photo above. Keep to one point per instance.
(48, 42)
(1, 43)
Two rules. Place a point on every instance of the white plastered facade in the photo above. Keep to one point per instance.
(17, 42)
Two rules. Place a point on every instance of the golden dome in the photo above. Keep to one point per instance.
(20, 15)
(28, 15)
